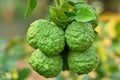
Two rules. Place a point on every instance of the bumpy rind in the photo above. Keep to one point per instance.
(79, 36)
(46, 36)
(82, 62)
(49, 67)
(31, 35)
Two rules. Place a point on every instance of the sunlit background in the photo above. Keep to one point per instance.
(14, 50)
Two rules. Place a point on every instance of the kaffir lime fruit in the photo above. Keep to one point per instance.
(79, 36)
(46, 36)
(82, 62)
(47, 66)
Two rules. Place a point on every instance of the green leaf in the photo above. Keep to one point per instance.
(10, 64)
(2, 58)
(59, 17)
(24, 73)
(84, 14)
(61, 2)
(17, 51)
(58, 14)
(79, 5)
(66, 7)
(58, 3)
(2, 44)
(71, 3)
(59, 23)
(31, 5)
(89, 9)
(117, 29)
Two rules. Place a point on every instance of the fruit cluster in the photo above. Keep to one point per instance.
(64, 42)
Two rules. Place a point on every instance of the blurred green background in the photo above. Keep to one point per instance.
(14, 50)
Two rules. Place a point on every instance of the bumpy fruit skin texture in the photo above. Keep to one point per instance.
(47, 66)
(79, 36)
(82, 62)
(32, 34)
(46, 36)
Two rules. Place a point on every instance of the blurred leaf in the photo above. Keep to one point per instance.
(116, 75)
(31, 5)
(116, 47)
(2, 44)
(73, 75)
(24, 73)
(69, 76)
(2, 58)
(117, 28)
(113, 66)
(9, 57)
(104, 57)
(16, 48)
(87, 77)
(14, 74)
(60, 77)
(101, 71)
(109, 28)
(10, 64)
(17, 51)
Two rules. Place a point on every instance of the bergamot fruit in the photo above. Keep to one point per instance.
(47, 66)
(79, 36)
(68, 48)
(82, 62)
(46, 36)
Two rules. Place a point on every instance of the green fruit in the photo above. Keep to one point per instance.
(47, 66)
(82, 62)
(46, 36)
(31, 35)
(79, 36)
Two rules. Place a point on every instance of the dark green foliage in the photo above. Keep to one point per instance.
(117, 28)
(24, 73)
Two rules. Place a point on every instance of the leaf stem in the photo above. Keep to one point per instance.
(57, 3)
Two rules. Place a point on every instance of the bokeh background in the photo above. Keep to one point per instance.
(14, 50)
